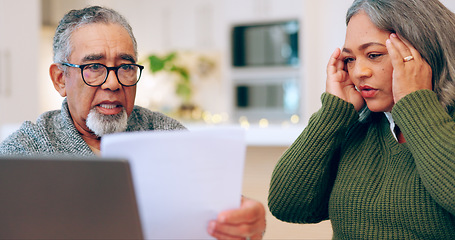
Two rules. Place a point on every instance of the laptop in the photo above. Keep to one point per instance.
(67, 198)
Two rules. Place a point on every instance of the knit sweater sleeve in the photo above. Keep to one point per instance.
(302, 180)
(430, 135)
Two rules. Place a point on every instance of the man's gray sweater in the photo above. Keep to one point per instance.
(54, 133)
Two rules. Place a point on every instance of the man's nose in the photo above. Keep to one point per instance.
(112, 82)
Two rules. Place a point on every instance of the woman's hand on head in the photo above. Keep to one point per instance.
(339, 84)
(408, 75)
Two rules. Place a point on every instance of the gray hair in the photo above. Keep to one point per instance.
(74, 19)
(429, 26)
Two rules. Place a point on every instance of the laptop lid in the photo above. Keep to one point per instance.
(67, 198)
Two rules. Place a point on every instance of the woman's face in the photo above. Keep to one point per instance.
(368, 63)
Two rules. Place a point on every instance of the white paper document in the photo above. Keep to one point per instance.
(182, 179)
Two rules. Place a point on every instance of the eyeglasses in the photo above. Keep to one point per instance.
(95, 74)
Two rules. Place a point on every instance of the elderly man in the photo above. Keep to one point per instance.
(95, 68)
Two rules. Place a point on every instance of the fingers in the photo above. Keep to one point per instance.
(338, 82)
(334, 63)
(411, 74)
(399, 49)
(335, 70)
(246, 221)
(334, 57)
(239, 231)
(408, 48)
(249, 211)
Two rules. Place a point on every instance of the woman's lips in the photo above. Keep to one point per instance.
(367, 92)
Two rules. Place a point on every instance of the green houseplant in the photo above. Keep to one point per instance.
(168, 64)
(183, 86)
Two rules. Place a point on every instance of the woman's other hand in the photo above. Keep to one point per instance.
(410, 71)
(338, 82)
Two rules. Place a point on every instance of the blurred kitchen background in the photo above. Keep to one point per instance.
(256, 63)
(259, 64)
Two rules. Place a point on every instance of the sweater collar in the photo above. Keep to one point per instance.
(391, 123)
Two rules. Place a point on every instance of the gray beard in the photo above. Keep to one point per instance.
(101, 124)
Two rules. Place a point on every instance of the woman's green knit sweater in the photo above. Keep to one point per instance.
(353, 172)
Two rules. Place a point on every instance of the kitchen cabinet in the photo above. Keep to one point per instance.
(19, 49)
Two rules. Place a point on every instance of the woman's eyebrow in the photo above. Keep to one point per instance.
(346, 50)
(364, 46)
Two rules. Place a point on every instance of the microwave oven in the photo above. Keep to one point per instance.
(271, 94)
(265, 44)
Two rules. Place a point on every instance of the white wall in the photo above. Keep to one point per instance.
(324, 30)
(19, 38)
(450, 4)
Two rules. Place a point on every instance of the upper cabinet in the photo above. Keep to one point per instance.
(19, 58)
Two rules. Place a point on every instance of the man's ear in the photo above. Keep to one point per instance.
(58, 79)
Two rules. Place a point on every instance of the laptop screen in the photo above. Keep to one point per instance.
(67, 198)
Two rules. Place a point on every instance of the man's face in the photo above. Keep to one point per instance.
(108, 44)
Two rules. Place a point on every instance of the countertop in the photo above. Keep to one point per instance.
(272, 135)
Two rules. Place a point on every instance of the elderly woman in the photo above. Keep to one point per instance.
(378, 158)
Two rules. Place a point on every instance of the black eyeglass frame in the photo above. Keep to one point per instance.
(115, 69)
